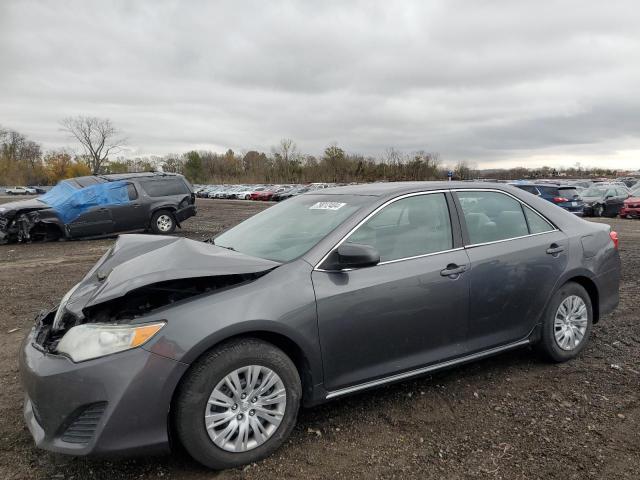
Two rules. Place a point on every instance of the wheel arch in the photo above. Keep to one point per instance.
(170, 208)
(156, 209)
(592, 289)
(278, 339)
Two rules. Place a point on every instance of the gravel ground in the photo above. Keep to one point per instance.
(508, 417)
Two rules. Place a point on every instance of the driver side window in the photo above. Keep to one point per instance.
(409, 227)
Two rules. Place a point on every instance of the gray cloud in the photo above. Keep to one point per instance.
(493, 82)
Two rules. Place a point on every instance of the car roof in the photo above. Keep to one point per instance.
(114, 177)
(87, 180)
(394, 188)
(542, 184)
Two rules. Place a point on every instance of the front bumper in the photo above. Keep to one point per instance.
(114, 404)
(627, 211)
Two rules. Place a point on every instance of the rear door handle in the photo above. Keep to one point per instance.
(452, 270)
(555, 249)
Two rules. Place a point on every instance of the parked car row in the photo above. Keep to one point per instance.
(597, 199)
(262, 192)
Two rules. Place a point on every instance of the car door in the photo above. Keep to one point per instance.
(133, 215)
(516, 257)
(614, 200)
(408, 311)
(93, 222)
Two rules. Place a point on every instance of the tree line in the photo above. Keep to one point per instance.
(22, 162)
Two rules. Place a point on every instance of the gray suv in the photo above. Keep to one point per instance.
(329, 293)
(100, 205)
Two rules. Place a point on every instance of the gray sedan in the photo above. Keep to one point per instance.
(329, 293)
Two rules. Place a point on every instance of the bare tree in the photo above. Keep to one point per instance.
(98, 136)
(286, 157)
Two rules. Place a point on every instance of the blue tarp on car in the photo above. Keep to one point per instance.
(70, 202)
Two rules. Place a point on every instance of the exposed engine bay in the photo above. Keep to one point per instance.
(50, 328)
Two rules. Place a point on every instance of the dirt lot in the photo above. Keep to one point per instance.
(508, 417)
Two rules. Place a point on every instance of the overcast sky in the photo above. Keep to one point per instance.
(498, 84)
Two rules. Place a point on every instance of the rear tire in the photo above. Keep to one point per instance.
(210, 376)
(567, 323)
(163, 223)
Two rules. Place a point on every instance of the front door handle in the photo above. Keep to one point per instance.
(453, 270)
(555, 249)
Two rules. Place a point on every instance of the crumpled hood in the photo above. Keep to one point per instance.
(30, 204)
(139, 260)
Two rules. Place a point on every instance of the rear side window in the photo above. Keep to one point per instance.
(492, 216)
(131, 190)
(165, 187)
(537, 224)
(409, 227)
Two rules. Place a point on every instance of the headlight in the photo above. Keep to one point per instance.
(62, 307)
(93, 340)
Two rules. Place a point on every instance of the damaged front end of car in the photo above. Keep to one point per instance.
(28, 221)
(138, 275)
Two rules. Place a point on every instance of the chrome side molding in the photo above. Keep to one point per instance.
(430, 368)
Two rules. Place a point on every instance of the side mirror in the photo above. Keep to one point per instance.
(352, 255)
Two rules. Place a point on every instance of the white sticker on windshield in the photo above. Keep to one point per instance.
(327, 206)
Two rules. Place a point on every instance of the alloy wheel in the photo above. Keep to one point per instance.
(245, 408)
(164, 223)
(571, 322)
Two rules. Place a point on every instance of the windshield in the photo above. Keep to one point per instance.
(289, 229)
(60, 193)
(594, 192)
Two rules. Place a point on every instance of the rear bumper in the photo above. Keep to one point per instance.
(577, 210)
(184, 213)
(114, 404)
(609, 291)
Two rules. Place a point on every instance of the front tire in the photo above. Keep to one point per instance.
(567, 323)
(237, 404)
(163, 223)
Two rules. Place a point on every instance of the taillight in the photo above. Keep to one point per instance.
(614, 239)
(560, 199)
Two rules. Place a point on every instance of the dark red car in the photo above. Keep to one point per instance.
(631, 208)
(268, 193)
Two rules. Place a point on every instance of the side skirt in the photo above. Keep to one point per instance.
(428, 369)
